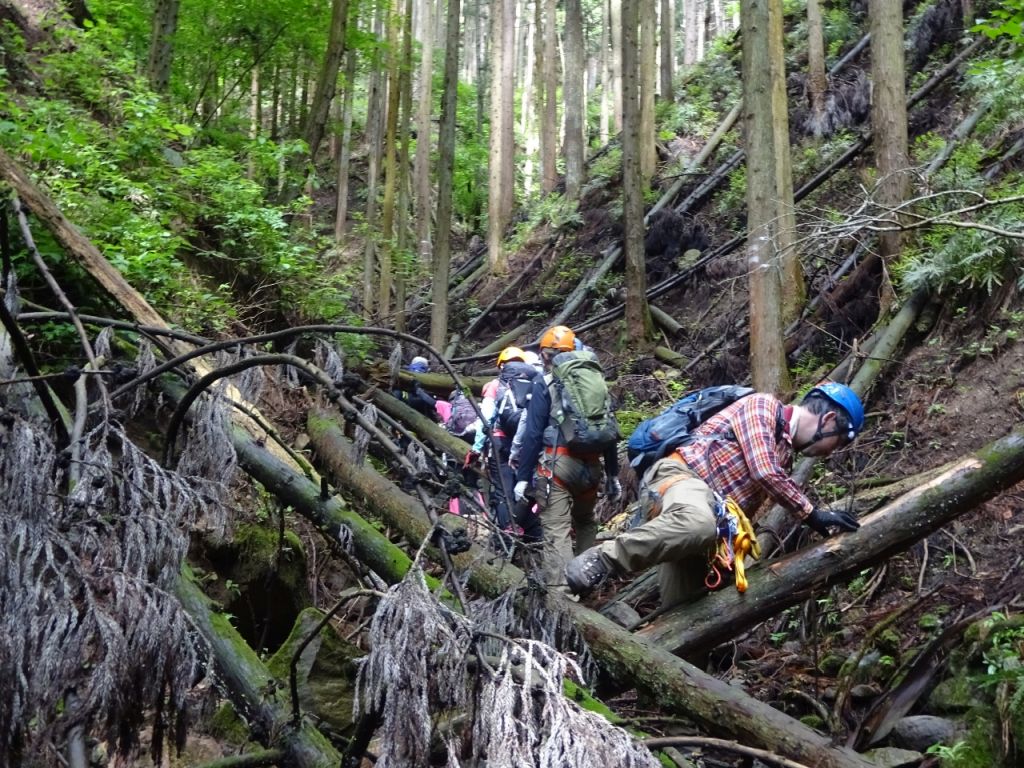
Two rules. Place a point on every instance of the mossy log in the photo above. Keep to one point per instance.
(671, 357)
(389, 561)
(722, 709)
(427, 431)
(397, 508)
(665, 321)
(440, 383)
(251, 686)
(894, 528)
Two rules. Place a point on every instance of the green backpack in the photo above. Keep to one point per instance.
(581, 407)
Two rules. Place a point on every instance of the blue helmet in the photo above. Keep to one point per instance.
(845, 398)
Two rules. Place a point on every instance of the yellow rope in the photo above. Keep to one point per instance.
(744, 544)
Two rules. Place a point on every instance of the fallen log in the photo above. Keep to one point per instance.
(665, 321)
(441, 383)
(722, 709)
(394, 505)
(82, 250)
(329, 514)
(250, 685)
(425, 429)
(494, 306)
(671, 357)
(915, 515)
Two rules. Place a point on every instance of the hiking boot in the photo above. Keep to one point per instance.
(587, 571)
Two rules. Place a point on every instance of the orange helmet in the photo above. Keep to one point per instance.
(511, 353)
(558, 337)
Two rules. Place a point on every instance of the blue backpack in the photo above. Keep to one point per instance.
(659, 436)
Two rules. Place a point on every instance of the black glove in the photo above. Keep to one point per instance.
(821, 519)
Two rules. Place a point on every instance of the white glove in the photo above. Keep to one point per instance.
(612, 489)
(520, 491)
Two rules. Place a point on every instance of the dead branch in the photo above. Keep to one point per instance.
(728, 746)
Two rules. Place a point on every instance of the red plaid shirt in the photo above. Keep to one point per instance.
(753, 466)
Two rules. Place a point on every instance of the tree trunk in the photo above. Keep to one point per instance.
(667, 50)
(719, 708)
(693, 18)
(817, 81)
(889, 112)
(527, 111)
(471, 34)
(895, 528)
(316, 119)
(387, 217)
(501, 183)
(275, 103)
(247, 682)
(575, 104)
(637, 317)
(767, 354)
(549, 116)
(424, 134)
(161, 44)
(425, 429)
(615, 27)
(607, 93)
(404, 252)
(445, 165)
(374, 130)
(254, 117)
(647, 79)
(345, 148)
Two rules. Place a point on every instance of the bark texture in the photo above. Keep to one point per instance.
(575, 107)
(762, 67)
(316, 120)
(445, 167)
(637, 317)
(889, 110)
(161, 43)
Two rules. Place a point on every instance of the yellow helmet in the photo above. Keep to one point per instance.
(511, 353)
(558, 337)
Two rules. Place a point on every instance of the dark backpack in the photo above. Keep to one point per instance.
(515, 383)
(463, 414)
(581, 406)
(659, 436)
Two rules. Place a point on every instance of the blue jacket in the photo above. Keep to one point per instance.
(538, 417)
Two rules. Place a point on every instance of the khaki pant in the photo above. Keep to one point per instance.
(566, 494)
(680, 540)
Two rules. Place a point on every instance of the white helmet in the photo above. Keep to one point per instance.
(532, 358)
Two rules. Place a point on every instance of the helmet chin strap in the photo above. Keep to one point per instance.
(819, 434)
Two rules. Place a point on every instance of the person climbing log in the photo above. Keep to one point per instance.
(730, 464)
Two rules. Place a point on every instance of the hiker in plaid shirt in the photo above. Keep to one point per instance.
(745, 452)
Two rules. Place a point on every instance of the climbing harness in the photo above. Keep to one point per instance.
(736, 540)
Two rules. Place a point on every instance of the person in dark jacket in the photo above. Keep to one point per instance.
(565, 484)
(417, 397)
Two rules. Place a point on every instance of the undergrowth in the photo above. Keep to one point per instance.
(106, 150)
